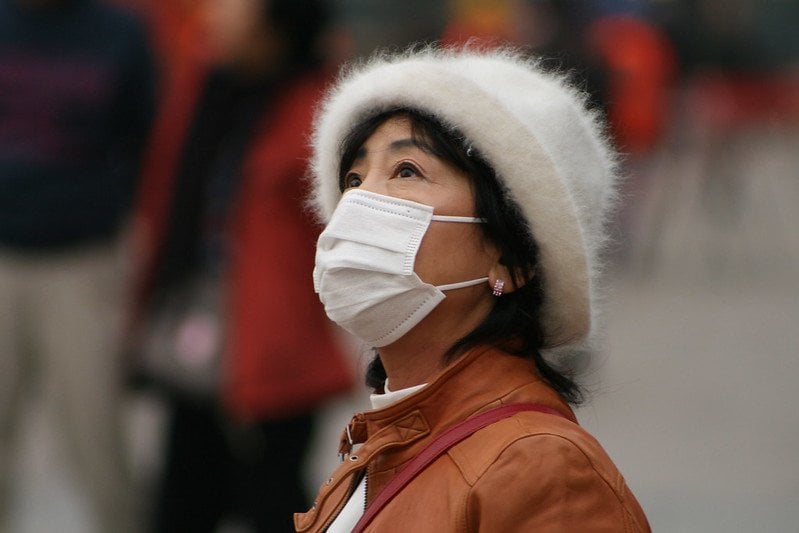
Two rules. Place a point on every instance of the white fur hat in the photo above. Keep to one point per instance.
(547, 149)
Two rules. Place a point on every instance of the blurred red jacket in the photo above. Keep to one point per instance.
(282, 356)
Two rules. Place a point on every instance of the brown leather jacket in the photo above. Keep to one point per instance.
(530, 472)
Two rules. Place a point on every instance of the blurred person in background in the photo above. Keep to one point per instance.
(229, 327)
(76, 101)
(173, 26)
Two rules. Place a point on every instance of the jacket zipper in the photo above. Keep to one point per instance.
(353, 485)
(365, 488)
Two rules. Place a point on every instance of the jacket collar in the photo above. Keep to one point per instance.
(479, 380)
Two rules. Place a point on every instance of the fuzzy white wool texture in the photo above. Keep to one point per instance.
(549, 151)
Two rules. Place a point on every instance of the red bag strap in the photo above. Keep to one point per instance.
(435, 449)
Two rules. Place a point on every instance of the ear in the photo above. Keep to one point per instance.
(501, 272)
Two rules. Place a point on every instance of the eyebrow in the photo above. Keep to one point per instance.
(394, 146)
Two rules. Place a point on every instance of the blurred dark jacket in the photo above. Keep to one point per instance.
(76, 102)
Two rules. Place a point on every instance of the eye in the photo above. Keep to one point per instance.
(406, 170)
(352, 180)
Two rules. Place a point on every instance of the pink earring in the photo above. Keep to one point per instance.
(498, 286)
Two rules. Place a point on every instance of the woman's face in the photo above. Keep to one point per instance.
(393, 164)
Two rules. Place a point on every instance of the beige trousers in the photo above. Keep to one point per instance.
(60, 319)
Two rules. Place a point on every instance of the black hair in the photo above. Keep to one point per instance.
(514, 322)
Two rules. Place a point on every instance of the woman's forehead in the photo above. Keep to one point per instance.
(394, 136)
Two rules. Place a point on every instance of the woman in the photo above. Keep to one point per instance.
(228, 302)
(464, 195)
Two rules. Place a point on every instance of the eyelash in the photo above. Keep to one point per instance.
(405, 165)
(401, 166)
(345, 181)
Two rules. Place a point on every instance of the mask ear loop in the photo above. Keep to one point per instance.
(461, 284)
(452, 218)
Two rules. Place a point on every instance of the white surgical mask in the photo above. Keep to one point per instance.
(364, 266)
